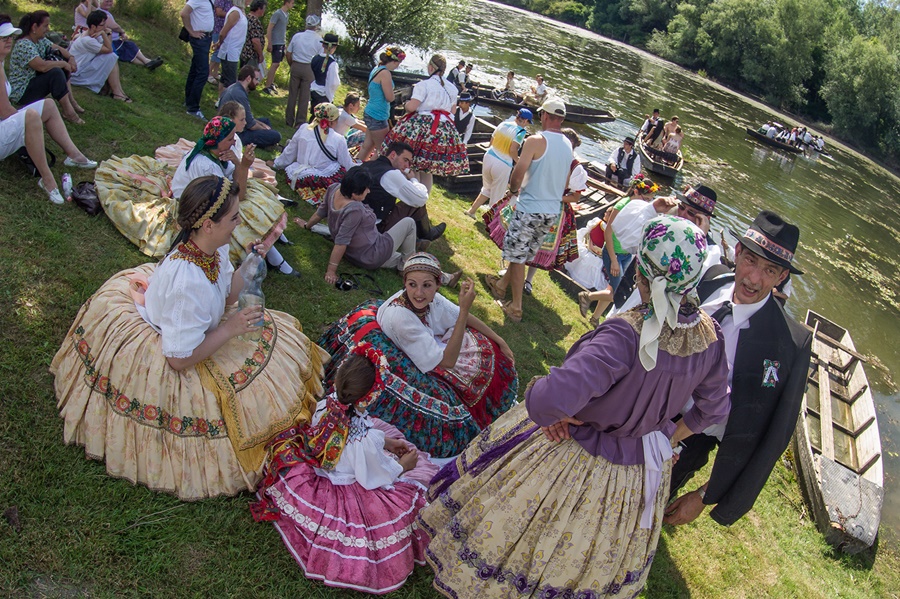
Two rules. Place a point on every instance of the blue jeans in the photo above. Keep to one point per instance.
(262, 138)
(624, 262)
(199, 71)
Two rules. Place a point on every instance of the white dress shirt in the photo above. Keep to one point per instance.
(409, 191)
(304, 45)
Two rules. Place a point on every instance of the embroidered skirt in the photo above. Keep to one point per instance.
(441, 153)
(517, 515)
(439, 411)
(312, 183)
(559, 246)
(136, 197)
(197, 433)
(345, 535)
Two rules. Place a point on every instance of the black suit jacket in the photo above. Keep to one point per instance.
(762, 417)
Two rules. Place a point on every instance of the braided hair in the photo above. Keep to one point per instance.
(196, 200)
(440, 65)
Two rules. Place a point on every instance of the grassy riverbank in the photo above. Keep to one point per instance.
(76, 532)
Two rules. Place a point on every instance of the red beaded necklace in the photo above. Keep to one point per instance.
(193, 254)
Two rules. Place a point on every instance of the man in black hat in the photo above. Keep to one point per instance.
(464, 118)
(623, 163)
(768, 360)
(325, 74)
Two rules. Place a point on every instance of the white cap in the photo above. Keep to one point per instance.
(313, 21)
(8, 29)
(554, 106)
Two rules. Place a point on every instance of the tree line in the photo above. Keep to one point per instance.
(834, 61)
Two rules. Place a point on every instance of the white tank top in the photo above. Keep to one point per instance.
(545, 181)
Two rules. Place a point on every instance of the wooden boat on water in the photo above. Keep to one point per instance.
(574, 112)
(485, 95)
(772, 142)
(651, 161)
(837, 447)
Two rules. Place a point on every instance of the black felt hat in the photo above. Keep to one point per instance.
(700, 198)
(772, 238)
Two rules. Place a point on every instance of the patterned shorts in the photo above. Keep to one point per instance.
(524, 236)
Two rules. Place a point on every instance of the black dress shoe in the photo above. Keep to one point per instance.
(288, 203)
(294, 273)
(436, 232)
(284, 241)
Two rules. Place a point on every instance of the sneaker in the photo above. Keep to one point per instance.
(269, 91)
(197, 114)
(527, 289)
(212, 80)
(86, 164)
(54, 195)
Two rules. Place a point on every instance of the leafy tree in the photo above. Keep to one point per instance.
(861, 89)
(374, 23)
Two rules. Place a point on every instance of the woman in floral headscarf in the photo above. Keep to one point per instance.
(139, 199)
(564, 494)
(316, 157)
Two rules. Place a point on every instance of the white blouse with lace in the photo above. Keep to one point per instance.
(183, 305)
(364, 459)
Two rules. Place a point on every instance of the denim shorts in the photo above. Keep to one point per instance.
(215, 55)
(373, 124)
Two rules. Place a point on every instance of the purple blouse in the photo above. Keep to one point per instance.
(602, 383)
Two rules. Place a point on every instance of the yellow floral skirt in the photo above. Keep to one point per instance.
(136, 196)
(518, 515)
(196, 433)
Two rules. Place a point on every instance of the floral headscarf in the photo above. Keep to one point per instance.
(217, 129)
(671, 258)
(324, 115)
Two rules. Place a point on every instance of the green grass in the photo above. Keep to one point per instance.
(83, 533)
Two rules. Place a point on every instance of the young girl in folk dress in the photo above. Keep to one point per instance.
(428, 127)
(153, 378)
(451, 375)
(344, 492)
(316, 157)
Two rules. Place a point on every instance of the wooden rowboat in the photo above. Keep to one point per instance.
(837, 447)
(485, 95)
(772, 142)
(574, 112)
(654, 164)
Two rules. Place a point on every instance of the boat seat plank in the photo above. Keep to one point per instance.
(837, 345)
(854, 434)
(825, 417)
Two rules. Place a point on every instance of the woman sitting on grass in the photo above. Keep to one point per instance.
(345, 491)
(147, 221)
(153, 378)
(451, 374)
(353, 130)
(35, 72)
(356, 237)
(25, 126)
(98, 65)
(316, 157)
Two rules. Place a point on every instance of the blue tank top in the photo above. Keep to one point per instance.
(377, 107)
(545, 181)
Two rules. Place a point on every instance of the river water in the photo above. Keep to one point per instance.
(846, 206)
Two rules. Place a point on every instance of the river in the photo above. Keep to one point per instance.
(846, 206)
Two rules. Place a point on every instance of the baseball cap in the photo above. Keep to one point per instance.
(526, 114)
(554, 106)
(313, 21)
(8, 29)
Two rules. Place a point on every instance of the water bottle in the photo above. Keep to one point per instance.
(67, 186)
(253, 271)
